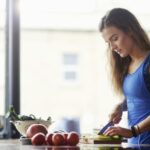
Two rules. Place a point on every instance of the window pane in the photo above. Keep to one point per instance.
(70, 75)
(70, 59)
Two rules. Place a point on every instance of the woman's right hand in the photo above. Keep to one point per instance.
(116, 114)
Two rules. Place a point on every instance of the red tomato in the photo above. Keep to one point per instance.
(73, 138)
(58, 139)
(38, 139)
(36, 128)
(48, 138)
(65, 135)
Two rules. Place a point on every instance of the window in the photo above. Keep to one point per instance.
(71, 25)
(70, 75)
(70, 67)
(70, 59)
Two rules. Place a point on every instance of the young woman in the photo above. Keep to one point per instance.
(129, 56)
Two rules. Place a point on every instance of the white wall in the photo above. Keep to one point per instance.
(43, 91)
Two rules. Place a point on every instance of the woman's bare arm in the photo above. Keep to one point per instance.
(144, 125)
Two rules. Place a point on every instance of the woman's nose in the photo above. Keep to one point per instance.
(112, 46)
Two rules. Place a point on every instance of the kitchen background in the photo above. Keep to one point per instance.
(63, 67)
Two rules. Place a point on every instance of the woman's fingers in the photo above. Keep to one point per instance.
(116, 114)
(110, 131)
(117, 119)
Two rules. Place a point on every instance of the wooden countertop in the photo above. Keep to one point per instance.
(17, 145)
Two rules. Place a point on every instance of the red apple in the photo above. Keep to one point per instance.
(48, 138)
(36, 128)
(73, 138)
(38, 139)
(58, 139)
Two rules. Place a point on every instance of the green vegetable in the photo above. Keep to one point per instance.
(109, 138)
(14, 116)
(23, 117)
(49, 119)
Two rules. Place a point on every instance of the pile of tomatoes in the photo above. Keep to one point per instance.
(39, 135)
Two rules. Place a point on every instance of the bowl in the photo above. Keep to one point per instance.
(22, 126)
(25, 140)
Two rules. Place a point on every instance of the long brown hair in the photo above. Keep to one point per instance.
(128, 23)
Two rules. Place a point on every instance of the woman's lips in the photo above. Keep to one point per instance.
(118, 51)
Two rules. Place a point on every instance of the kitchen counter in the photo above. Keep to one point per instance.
(17, 145)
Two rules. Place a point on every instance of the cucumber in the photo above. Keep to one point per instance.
(109, 138)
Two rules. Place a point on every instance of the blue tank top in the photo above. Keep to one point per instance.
(137, 97)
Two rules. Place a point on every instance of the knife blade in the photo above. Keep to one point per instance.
(105, 127)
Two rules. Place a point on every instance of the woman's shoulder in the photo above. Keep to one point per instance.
(146, 72)
(147, 63)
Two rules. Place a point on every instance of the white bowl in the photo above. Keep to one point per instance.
(22, 126)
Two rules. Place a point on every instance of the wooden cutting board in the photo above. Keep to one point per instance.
(100, 140)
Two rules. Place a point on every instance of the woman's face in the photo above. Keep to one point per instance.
(118, 41)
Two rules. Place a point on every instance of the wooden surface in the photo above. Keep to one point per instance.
(16, 145)
(102, 141)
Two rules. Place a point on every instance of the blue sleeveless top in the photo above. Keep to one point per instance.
(137, 94)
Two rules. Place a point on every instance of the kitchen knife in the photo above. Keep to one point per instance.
(105, 127)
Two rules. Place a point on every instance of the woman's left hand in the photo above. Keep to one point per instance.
(111, 131)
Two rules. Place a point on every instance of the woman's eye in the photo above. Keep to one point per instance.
(114, 38)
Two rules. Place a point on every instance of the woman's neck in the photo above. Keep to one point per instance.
(136, 61)
(139, 55)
